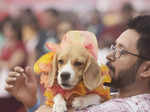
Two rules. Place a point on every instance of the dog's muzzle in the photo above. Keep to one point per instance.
(65, 76)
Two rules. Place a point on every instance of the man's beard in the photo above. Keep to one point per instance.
(124, 77)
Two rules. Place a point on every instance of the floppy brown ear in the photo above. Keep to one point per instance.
(53, 72)
(91, 76)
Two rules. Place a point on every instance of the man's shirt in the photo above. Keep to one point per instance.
(139, 103)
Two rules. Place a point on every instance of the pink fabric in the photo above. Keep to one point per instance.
(85, 38)
(139, 103)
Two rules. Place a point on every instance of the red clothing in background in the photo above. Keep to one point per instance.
(7, 52)
(10, 104)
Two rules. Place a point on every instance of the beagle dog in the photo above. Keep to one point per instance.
(75, 73)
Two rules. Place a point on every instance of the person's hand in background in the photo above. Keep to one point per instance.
(23, 86)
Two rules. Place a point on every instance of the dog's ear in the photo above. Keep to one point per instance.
(53, 72)
(91, 76)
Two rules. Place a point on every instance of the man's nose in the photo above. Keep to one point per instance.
(111, 57)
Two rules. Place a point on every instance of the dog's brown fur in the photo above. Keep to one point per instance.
(89, 68)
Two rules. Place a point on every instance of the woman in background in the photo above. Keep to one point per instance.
(12, 54)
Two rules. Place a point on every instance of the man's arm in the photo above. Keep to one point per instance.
(35, 107)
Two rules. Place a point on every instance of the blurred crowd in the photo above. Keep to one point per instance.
(23, 38)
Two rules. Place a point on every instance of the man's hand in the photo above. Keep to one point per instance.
(22, 85)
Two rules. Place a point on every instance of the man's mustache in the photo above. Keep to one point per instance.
(110, 66)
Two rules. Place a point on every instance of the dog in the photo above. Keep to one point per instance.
(74, 77)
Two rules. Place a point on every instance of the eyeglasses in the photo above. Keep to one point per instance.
(118, 52)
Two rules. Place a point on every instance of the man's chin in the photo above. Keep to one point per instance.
(117, 84)
(112, 85)
(111, 74)
(111, 71)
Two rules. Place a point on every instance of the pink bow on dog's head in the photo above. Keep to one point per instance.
(85, 38)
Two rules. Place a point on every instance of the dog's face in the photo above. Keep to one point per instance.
(72, 64)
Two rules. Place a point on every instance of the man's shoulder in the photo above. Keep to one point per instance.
(114, 105)
(129, 104)
(136, 103)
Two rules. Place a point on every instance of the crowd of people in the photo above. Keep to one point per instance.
(23, 38)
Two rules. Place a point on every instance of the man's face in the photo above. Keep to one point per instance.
(49, 20)
(123, 68)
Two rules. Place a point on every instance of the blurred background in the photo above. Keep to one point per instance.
(26, 25)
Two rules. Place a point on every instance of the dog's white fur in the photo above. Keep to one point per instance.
(66, 68)
(59, 104)
(84, 101)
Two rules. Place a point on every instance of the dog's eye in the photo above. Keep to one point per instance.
(77, 63)
(60, 61)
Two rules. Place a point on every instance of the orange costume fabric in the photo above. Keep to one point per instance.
(79, 90)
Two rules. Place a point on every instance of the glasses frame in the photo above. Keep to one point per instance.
(122, 52)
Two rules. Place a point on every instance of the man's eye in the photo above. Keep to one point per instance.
(123, 52)
(77, 63)
(60, 61)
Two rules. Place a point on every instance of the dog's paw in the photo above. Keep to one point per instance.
(44, 108)
(59, 104)
(59, 107)
(85, 101)
(78, 103)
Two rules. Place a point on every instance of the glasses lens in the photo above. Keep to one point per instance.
(117, 54)
(116, 51)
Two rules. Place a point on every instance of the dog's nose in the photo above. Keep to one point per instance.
(65, 76)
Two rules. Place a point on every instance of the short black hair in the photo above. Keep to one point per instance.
(141, 25)
(16, 25)
(127, 7)
(53, 11)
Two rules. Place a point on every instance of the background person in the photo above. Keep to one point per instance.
(12, 53)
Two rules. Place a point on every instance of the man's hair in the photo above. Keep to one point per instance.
(53, 11)
(127, 8)
(141, 25)
(15, 24)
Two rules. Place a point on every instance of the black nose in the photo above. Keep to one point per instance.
(65, 76)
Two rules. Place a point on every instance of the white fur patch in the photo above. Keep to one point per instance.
(66, 68)
(59, 104)
(84, 101)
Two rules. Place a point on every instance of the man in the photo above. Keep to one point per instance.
(129, 65)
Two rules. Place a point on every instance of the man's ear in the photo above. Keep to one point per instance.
(145, 70)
